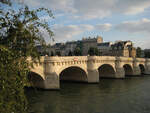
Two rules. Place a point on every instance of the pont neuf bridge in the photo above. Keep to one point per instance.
(48, 73)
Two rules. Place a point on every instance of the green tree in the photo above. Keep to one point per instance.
(45, 53)
(147, 54)
(52, 53)
(58, 53)
(93, 51)
(19, 36)
(139, 52)
(80, 45)
(70, 53)
(77, 52)
(12, 81)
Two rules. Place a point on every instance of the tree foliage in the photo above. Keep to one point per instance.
(70, 53)
(139, 52)
(12, 79)
(77, 52)
(58, 53)
(93, 51)
(19, 36)
(52, 53)
(147, 53)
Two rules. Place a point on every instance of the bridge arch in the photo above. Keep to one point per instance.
(35, 80)
(142, 68)
(106, 71)
(73, 73)
(128, 69)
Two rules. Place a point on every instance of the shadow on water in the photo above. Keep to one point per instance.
(129, 95)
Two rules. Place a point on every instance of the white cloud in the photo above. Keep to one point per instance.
(102, 8)
(87, 27)
(142, 43)
(90, 9)
(135, 26)
(103, 27)
(146, 45)
(64, 33)
(56, 5)
(131, 6)
(71, 32)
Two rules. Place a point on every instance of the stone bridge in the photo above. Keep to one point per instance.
(48, 73)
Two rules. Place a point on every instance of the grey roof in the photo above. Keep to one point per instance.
(120, 44)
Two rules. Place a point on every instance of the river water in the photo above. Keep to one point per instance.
(129, 95)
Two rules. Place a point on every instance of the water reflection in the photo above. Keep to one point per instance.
(130, 95)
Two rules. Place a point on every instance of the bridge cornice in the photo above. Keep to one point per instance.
(143, 60)
(148, 59)
(84, 59)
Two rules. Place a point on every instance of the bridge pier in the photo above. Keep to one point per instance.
(120, 73)
(51, 77)
(136, 70)
(93, 74)
(52, 81)
(147, 67)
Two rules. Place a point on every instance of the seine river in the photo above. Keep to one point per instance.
(129, 95)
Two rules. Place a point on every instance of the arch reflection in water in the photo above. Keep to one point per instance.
(142, 68)
(75, 74)
(106, 71)
(128, 69)
(35, 80)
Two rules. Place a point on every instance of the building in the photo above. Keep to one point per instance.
(70, 47)
(90, 42)
(123, 48)
(83, 44)
(104, 48)
(118, 48)
(58, 49)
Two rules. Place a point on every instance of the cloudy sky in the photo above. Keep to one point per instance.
(111, 19)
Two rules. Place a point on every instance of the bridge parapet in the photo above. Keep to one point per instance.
(62, 61)
(140, 59)
(126, 59)
(148, 60)
(61, 58)
(104, 58)
(66, 60)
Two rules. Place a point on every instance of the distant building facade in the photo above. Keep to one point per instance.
(123, 48)
(118, 48)
(90, 42)
(104, 48)
(83, 44)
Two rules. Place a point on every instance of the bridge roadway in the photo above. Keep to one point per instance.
(48, 73)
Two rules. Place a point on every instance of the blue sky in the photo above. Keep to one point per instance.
(111, 19)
